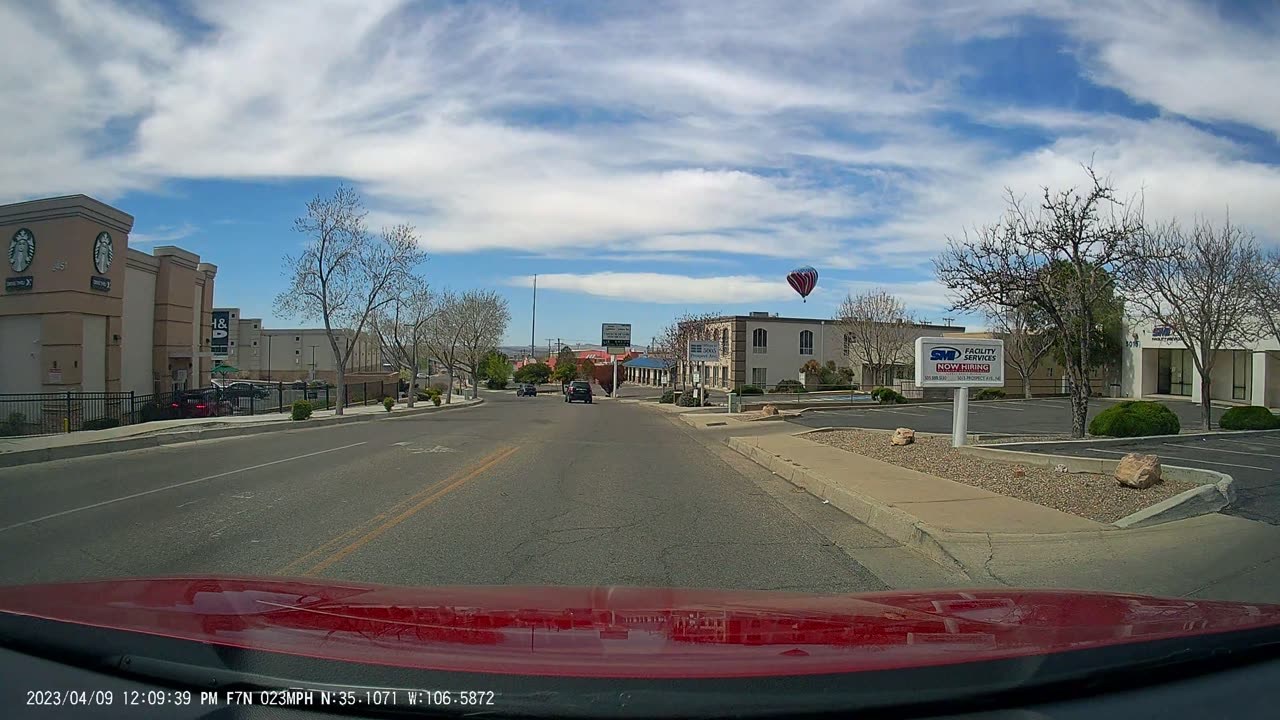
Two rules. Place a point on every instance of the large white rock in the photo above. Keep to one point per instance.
(1138, 471)
(903, 436)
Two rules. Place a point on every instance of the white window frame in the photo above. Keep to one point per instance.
(806, 350)
(763, 373)
(759, 341)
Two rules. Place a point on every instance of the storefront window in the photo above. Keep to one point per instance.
(1239, 374)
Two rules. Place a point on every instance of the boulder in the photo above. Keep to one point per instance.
(903, 436)
(769, 410)
(1138, 471)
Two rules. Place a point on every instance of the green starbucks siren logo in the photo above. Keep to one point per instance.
(102, 252)
(22, 249)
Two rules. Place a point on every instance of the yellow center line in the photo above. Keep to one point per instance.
(364, 527)
(379, 530)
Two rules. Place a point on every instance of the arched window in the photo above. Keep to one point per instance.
(724, 341)
(759, 340)
(806, 342)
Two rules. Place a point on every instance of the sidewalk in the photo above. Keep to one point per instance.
(999, 540)
(41, 448)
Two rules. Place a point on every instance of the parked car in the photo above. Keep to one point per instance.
(243, 389)
(205, 402)
(578, 390)
(299, 385)
(526, 389)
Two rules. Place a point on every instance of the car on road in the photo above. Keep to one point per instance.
(578, 390)
(238, 390)
(526, 389)
(201, 403)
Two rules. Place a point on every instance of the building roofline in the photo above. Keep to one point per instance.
(821, 321)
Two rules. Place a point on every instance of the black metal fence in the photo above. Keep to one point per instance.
(65, 412)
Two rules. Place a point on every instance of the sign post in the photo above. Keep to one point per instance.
(616, 339)
(960, 363)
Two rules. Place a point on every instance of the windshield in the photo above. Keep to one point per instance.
(821, 298)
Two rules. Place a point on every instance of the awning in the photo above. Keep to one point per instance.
(647, 363)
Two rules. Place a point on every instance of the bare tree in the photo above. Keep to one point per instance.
(343, 276)
(1027, 340)
(482, 317)
(1057, 255)
(1202, 286)
(879, 334)
(443, 337)
(402, 328)
(672, 343)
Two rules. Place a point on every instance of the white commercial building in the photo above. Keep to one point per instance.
(1157, 364)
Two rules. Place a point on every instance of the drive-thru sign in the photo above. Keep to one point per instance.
(960, 363)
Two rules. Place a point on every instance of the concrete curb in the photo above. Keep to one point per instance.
(892, 522)
(161, 438)
(1215, 492)
(1179, 436)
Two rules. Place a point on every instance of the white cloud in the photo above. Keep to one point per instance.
(664, 288)
(802, 131)
(162, 234)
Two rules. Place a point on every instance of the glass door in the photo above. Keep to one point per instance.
(1163, 371)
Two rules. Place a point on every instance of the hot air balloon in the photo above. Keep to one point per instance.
(803, 280)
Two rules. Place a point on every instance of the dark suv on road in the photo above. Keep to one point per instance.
(578, 390)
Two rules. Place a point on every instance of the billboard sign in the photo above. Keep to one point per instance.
(704, 351)
(615, 334)
(220, 340)
(959, 362)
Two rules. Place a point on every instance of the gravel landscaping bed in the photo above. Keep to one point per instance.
(1092, 496)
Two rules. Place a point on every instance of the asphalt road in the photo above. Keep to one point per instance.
(515, 491)
(1040, 417)
(1252, 460)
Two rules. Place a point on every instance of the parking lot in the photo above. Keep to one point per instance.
(1252, 459)
(1039, 417)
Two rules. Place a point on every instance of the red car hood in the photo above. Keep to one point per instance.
(622, 631)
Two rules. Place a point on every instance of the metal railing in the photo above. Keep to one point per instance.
(66, 412)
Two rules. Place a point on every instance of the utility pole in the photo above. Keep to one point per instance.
(533, 324)
(313, 362)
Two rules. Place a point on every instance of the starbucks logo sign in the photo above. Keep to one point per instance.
(102, 252)
(22, 249)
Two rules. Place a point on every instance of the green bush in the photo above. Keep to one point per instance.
(1135, 418)
(689, 398)
(668, 396)
(989, 394)
(875, 394)
(789, 386)
(14, 425)
(750, 390)
(495, 384)
(1251, 417)
(301, 410)
(100, 424)
(889, 396)
(388, 403)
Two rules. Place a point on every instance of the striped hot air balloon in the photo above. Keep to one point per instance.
(803, 280)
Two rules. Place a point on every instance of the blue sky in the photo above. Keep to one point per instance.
(643, 159)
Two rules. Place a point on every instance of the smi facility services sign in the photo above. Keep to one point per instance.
(959, 362)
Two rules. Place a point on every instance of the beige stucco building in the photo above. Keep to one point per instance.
(81, 310)
(287, 354)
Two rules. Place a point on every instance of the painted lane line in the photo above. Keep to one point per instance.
(173, 487)
(1264, 443)
(1220, 450)
(378, 531)
(995, 406)
(329, 546)
(1187, 459)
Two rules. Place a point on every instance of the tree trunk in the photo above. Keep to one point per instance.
(448, 392)
(1206, 407)
(413, 385)
(341, 388)
(1079, 389)
(1026, 386)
